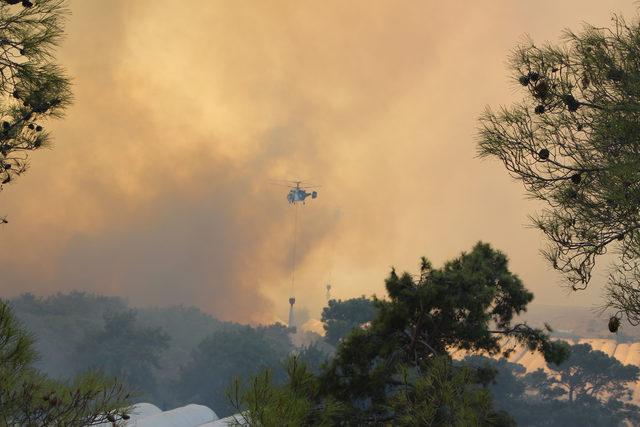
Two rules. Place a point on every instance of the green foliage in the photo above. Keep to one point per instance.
(313, 357)
(398, 369)
(124, 350)
(295, 402)
(27, 397)
(445, 395)
(32, 86)
(16, 347)
(502, 376)
(339, 318)
(468, 304)
(225, 355)
(573, 142)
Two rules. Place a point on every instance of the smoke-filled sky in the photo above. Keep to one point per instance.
(158, 186)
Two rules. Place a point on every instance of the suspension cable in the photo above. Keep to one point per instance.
(293, 252)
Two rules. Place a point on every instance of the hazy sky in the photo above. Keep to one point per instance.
(158, 188)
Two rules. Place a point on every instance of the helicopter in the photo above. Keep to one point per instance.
(297, 193)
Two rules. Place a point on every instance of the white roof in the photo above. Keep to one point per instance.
(142, 410)
(185, 416)
(148, 415)
(233, 420)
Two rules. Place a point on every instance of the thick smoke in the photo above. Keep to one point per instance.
(158, 188)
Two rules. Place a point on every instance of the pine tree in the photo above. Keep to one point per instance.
(32, 87)
(470, 304)
(29, 398)
(574, 143)
(398, 370)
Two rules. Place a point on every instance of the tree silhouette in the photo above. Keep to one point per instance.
(27, 397)
(467, 304)
(225, 355)
(573, 142)
(398, 370)
(590, 388)
(32, 87)
(339, 317)
(124, 350)
(590, 373)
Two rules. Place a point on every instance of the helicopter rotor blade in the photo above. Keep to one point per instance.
(293, 184)
(285, 181)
